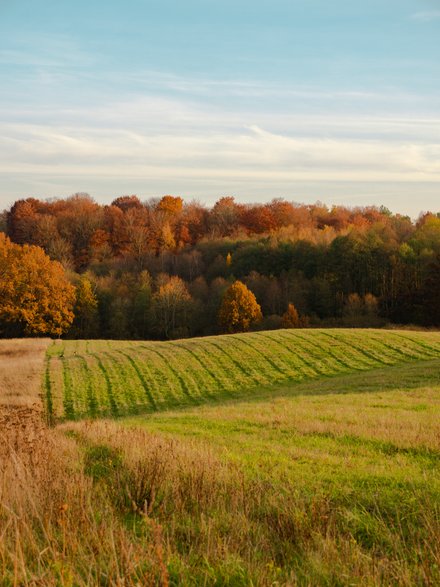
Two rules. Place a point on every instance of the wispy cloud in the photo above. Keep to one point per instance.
(241, 154)
(164, 133)
(207, 160)
(426, 16)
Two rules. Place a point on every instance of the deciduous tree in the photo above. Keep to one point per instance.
(291, 318)
(85, 324)
(170, 205)
(224, 216)
(125, 203)
(35, 295)
(171, 305)
(239, 309)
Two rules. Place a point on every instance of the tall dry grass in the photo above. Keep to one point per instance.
(21, 366)
(56, 527)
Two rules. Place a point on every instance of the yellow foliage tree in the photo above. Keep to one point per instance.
(35, 295)
(171, 205)
(239, 309)
(85, 324)
(171, 303)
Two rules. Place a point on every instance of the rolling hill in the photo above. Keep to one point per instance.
(116, 378)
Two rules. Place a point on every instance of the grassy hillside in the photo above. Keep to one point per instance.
(280, 458)
(327, 482)
(114, 378)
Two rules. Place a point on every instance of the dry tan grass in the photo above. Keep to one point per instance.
(192, 472)
(56, 528)
(21, 366)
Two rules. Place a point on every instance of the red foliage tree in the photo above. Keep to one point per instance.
(125, 203)
(22, 221)
(257, 219)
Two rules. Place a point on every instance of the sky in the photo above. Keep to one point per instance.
(300, 99)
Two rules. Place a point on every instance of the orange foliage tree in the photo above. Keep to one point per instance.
(22, 221)
(35, 295)
(171, 205)
(239, 309)
(291, 318)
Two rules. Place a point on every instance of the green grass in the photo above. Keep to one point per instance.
(114, 378)
(366, 429)
(366, 445)
(305, 457)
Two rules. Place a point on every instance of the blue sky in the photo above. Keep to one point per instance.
(337, 101)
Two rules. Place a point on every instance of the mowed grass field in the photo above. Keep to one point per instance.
(306, 457)
(114, 378)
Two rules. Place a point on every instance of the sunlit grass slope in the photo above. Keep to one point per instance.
(392, 411)
(330, 481)
(116, 378)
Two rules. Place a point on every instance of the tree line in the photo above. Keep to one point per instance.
(165, 268)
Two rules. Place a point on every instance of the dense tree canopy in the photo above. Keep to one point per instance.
(337, 266)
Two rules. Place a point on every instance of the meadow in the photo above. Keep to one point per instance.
(295, 457)
(116, 378)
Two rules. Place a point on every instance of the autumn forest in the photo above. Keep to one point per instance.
(164, 268)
